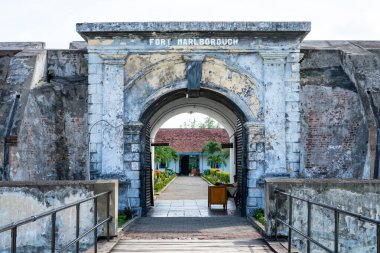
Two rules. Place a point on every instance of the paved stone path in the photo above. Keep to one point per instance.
(184, 228)
(191, 234)
(187, 197)
(185, 187)
(182, 222)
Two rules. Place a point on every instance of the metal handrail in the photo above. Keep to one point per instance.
(13, 226)
(337, 212)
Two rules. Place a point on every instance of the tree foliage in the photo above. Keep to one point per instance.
(164, 154)
(208, 122)
(191, 123)
(212, 147)
(216, 155)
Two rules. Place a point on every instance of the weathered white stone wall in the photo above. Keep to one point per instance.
(259, 75)
(21, 200)
(43, 125)
(95, 112)
(358, 196)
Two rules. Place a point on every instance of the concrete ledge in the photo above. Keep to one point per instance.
(37, 184)
(280, 246)
(128, 223)
(20, 200)
(194, 26)
(356, 196)
(21, 45)
(78, 45)
(349, 184)
(258, 226)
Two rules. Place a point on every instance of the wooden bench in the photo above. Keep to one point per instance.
(217, 195)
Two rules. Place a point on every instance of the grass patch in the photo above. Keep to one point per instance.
(210, 179)
(122, 219)
(124, 216)
(158, 186)
(217, 177)
(259, 215)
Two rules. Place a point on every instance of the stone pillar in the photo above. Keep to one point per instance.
(256, 164)
(113, 112)
(275, 109)
(293, 115)
(133, 152)
(95, 112)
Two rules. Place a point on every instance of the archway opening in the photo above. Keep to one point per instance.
(189, 137)
(209, 103)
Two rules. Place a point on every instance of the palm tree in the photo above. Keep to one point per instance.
(164, 155)
(215, 157)
(212, 147)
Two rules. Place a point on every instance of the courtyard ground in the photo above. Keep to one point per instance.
(182, 222)
(187, 197)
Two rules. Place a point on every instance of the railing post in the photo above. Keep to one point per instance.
(336, 241)
(14, 240)
(290, 223)
(276, 214)
(108, 215)
(77, 227)
(308, 225)
(53, 220)
(95, 223)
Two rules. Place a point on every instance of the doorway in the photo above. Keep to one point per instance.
(209, 103)
(184, 165)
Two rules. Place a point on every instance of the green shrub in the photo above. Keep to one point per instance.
(259, 215)
(223, 177)
(158, 186)
(124, 216)
(206, 172)
(212, 180)
(213, 171)
(169, 171)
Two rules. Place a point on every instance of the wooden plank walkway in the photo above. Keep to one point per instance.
(170, 229)
(201, 246)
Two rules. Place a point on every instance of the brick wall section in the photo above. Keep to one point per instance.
(335, 131)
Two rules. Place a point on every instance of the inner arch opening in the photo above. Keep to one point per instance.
(192, 140)
(211, 104)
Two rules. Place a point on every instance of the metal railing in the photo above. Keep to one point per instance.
(53, 213)
(307, 236)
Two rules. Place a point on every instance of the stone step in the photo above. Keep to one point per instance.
(251, 246)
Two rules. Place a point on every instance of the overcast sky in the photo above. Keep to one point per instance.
(53, 21)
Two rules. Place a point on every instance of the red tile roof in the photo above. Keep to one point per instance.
(191, 139)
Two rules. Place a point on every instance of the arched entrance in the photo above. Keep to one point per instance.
(136, 70)
(210, 103)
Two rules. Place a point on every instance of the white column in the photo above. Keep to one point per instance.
(275, 94)
(95, 112)
(293, 114)
(113, 111)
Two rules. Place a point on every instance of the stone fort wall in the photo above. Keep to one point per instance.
(43, 119)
